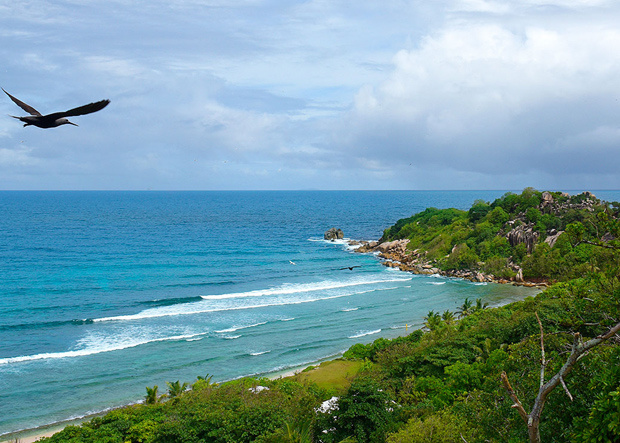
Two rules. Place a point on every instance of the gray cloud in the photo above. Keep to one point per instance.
(265, 94)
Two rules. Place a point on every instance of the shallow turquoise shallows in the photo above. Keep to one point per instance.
(105, 293)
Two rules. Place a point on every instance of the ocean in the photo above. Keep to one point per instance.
(105, 293)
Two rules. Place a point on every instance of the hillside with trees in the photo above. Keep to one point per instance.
(543, 369)
(550, 236)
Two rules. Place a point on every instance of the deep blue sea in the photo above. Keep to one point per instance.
(105, 293)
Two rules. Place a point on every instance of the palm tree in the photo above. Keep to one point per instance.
(479, 305)
(298, 434)
(448, 317)
(207, 378)
(204, 382)
(484, 350)
(151, 395)
(466, 308)
(432, 320)
(176, 388)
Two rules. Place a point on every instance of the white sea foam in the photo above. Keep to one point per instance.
(202, 307)
(480, 283)
(437, 282)
(93, 350)
(231, 337)
(254, 354)
(349, 309)
(238, 328)
(341, 241)
(287, 319)
(377, 290)
(160, 313)
(365, 333)
(302, 288)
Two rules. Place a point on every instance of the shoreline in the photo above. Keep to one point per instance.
(31, 435)
(391, 254)
(394, 254)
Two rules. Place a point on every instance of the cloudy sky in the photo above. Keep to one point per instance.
(316, 94)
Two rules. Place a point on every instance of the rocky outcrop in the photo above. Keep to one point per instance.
(522, 229)
(396, 255)
(586, 200)
(519, 276)
(333, 234)
(393, 247)
(553, 237)
(523, 234)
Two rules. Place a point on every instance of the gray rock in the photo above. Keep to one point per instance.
(333, 234)
(394, 247)
(519, 276)
(523, 234)
(551, 239)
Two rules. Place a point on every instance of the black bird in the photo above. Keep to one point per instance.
(57, 118)
(350, 268)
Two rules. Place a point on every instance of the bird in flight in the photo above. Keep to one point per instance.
(57, 118)
(350, 268)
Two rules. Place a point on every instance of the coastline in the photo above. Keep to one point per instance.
(395, 255)
(391, 254)
(35, 434)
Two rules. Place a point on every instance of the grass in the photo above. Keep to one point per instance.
(334, 375)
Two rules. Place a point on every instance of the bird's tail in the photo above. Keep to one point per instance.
(13, 116)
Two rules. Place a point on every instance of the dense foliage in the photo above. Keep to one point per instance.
(550, 235)
(440, 384)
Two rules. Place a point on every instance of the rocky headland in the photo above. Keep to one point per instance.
(395, 254)
(520, 229)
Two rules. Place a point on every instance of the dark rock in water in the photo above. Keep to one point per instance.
(333, 234)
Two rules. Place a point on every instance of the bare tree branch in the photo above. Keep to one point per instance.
(566, 389)
(513, 395)
(578, 350)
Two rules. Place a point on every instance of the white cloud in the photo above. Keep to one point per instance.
(478, 96)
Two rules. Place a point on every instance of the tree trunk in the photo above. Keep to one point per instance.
(533, 430)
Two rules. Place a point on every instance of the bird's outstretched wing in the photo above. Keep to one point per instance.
(29, 109)
(81, 110)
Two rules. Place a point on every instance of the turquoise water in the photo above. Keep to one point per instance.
(104, 293)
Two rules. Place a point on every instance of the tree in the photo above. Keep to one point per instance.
(432, 320)
(176, 388)
(478, 210)
(364, 412)
(466, 308)
(578, 350)
(151, 395)
(448, 317)
(479, 305)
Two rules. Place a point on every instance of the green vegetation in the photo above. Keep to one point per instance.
(334, 375)
(549, 236)
(460, 378)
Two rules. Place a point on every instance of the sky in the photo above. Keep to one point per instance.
(316, 94)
